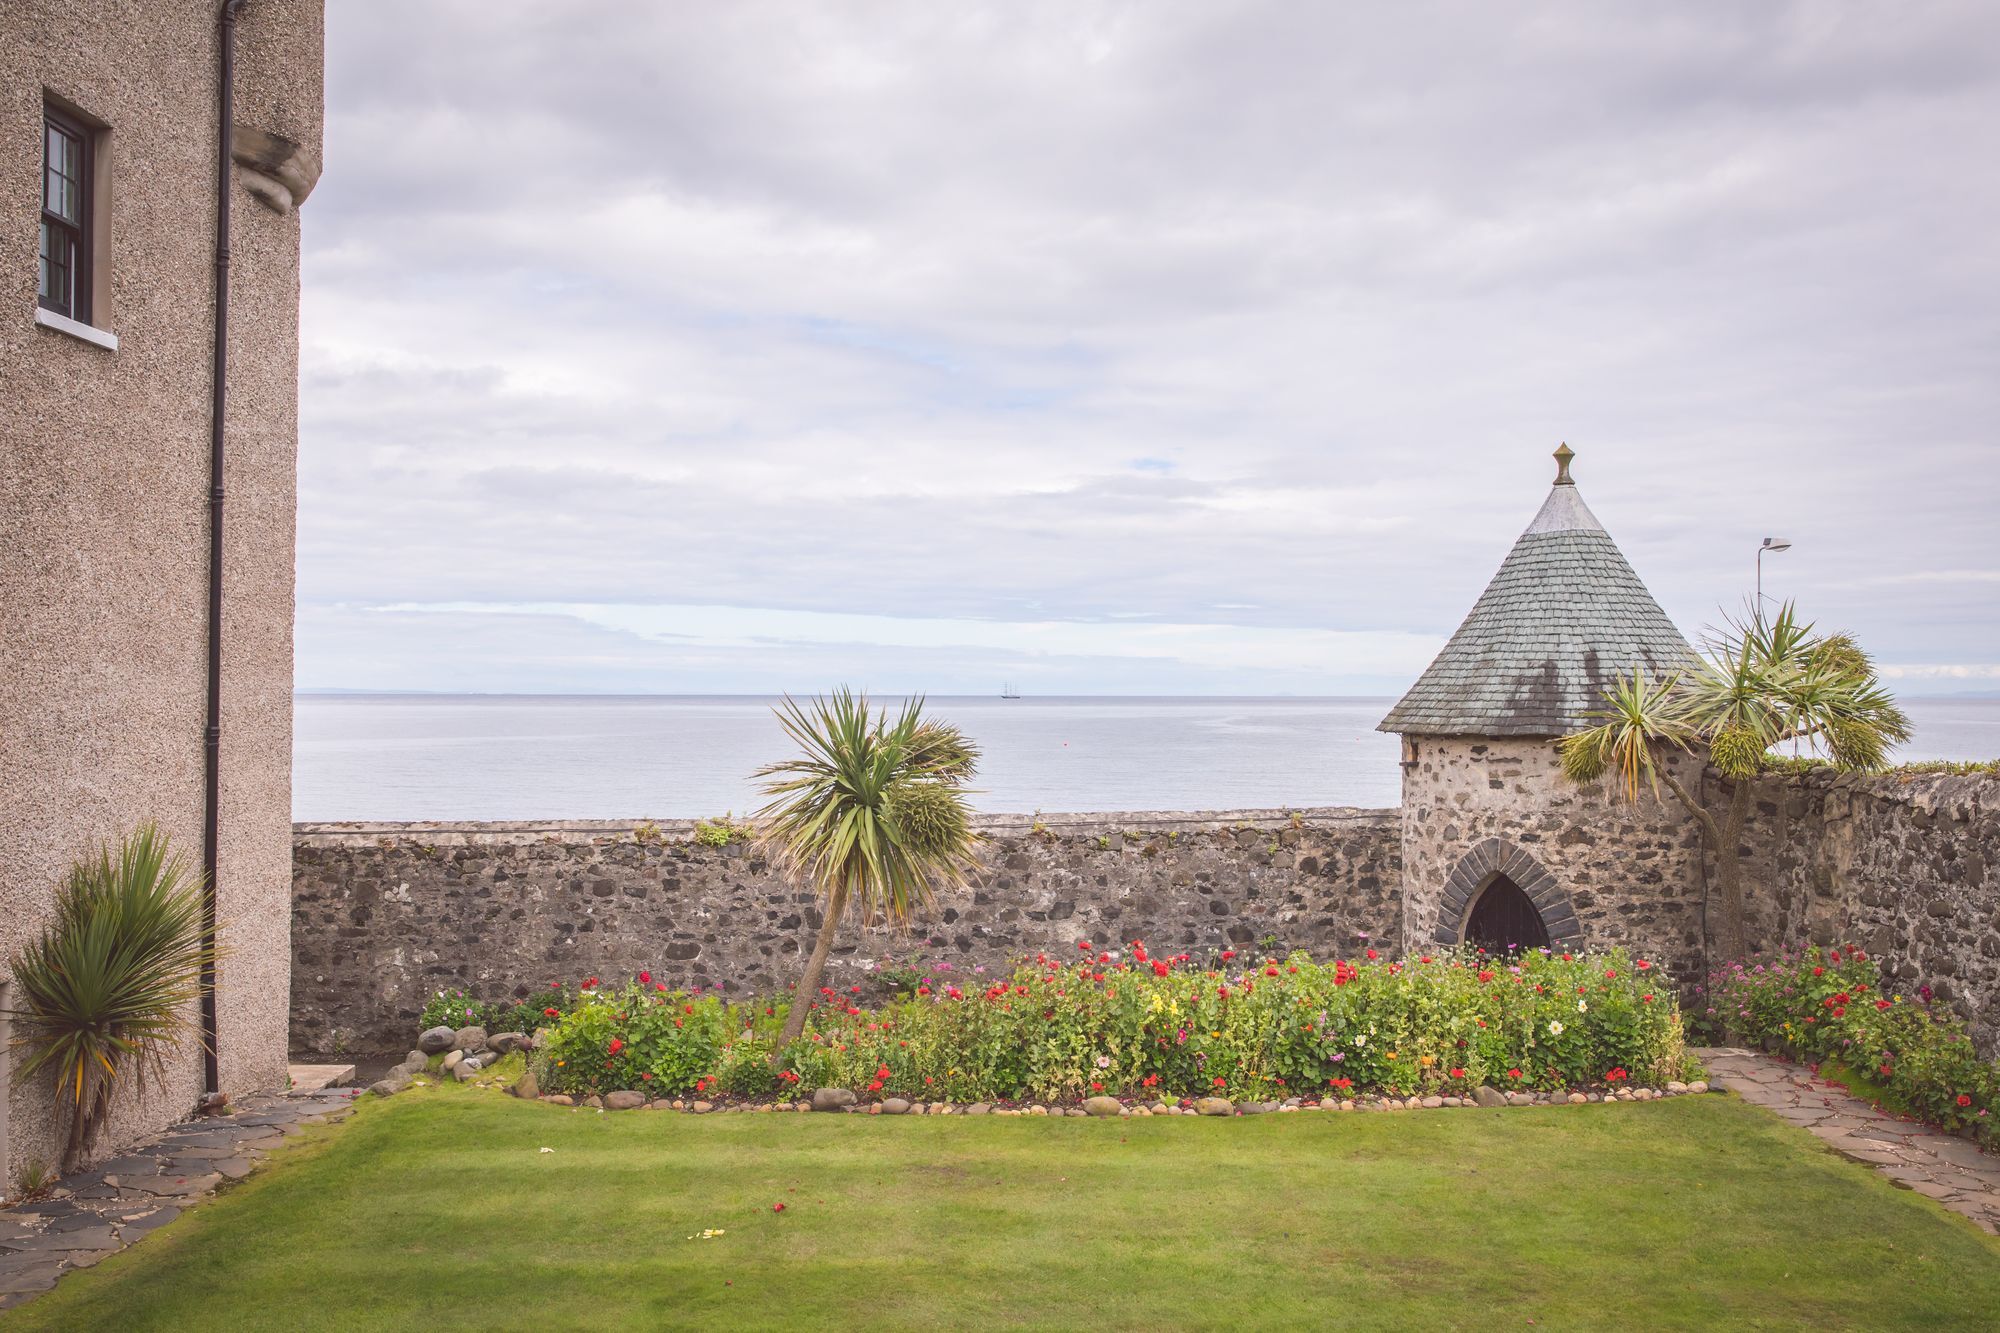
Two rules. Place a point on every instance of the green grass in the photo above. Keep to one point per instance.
(437, 1209)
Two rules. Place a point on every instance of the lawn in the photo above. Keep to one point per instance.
(440, 1209)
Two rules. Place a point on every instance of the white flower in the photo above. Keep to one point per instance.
(1555, 1029)
(1361, 1039)
(1104, 1062)
(1581, 1007)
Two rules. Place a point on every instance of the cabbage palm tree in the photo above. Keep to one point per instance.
(107, 987)
(870, 815)
(1754, 686)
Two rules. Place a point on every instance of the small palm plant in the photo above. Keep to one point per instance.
(107, 987)
(1756, 686)
(871, 815)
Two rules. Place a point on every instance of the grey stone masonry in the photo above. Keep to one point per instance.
(1906, 865)
(385, 915)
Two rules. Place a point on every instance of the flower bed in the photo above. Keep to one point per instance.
(1834, 1004)
(1127, 1024)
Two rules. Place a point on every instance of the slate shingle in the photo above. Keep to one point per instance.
(1562, 618)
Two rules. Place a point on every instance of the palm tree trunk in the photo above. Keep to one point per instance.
(795, 1017)
(1729, 871)
(1725, 839)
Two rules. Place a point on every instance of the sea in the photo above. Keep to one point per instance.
(613, 757)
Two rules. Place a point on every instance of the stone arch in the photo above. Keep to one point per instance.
(1489, 861)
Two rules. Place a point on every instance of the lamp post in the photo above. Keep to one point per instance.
(1770, 544)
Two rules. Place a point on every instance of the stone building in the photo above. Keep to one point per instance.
(1498, 847)
(111, 148)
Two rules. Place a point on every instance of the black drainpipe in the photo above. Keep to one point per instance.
(211, 783)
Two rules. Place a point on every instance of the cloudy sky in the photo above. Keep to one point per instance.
(1131, 348)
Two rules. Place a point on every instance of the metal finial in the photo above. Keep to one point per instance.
(1563, 454)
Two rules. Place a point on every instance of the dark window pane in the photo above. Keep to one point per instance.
(62, 181)
(56, 269)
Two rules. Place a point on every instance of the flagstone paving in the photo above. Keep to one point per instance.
(117, 1202)
(1915, 1156)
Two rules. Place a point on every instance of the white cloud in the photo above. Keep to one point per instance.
(1248, 319)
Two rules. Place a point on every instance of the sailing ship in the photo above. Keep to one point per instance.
(1009, 692)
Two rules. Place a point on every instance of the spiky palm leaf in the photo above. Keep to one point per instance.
(1640, 717)
(871, 811)
(871, 803)
(107, 987)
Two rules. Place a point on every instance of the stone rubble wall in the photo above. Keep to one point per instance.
(385, 915)
(1624, 873)
(1905, 865)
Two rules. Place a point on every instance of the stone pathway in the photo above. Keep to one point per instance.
(116, 1203)
(1942, 1166)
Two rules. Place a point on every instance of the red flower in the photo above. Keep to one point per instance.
(1964, 1100)
(1486, 976)
(1819, 971)
(1611, 972)
(645, 978)
(1219, 1080)
(551, 1013)
(1881, 1004)
(1083, 945)
(1458, 1073)
(778, 1207)
(1160, 969)
(1513, 1073)
(1886, 1071)
(1643, 965)
(1372, 955)
(1228, 954)
(1097, 1087)
(617, 1045)
(647, 1076)
(589, 983)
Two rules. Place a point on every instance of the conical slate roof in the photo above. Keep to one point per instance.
(1562, 618)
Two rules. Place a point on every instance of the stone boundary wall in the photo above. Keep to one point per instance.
(384, 915)
(1905, 865)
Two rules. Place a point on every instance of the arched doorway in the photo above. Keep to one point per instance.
(1515, 900)
(1503, 918)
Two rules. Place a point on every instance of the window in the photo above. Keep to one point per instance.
(65, 276)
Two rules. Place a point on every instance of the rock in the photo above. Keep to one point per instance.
(832, 1099)
(1142, 1111)
(702, 1108)
(1577, 1099)
(1214, 1106)
(1676, 1086)
(1433, 1102)
(1699, 1085)
(1519, 1099)
(978, 1108)
(593, 1100)
(415, 1062)
(388, 1087)
(453, 1060)
(526, 1087)
(1102, 1106)
(1257, 1108)
(664, 1105)
(559, 1099)
(436, 1041)
(506, 1043)
(1486, 1096)
(1328, 1104)
(465, 1070)
(624, 1100)
(895, 1106)
(470, 1040)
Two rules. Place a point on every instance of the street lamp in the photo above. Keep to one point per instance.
(1770, 544)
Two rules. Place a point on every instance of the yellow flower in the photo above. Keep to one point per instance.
(1425, 1060)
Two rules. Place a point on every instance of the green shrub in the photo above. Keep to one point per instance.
(647, 1037)
(109, 985)
(721, 832)
(1834, 1004)
(459, 1008)
(1135, 1025)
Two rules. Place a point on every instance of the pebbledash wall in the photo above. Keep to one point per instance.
(384, 915)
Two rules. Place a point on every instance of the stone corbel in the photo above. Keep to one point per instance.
(277, 172)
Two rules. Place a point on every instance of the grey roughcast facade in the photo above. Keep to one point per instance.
(149, 300)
